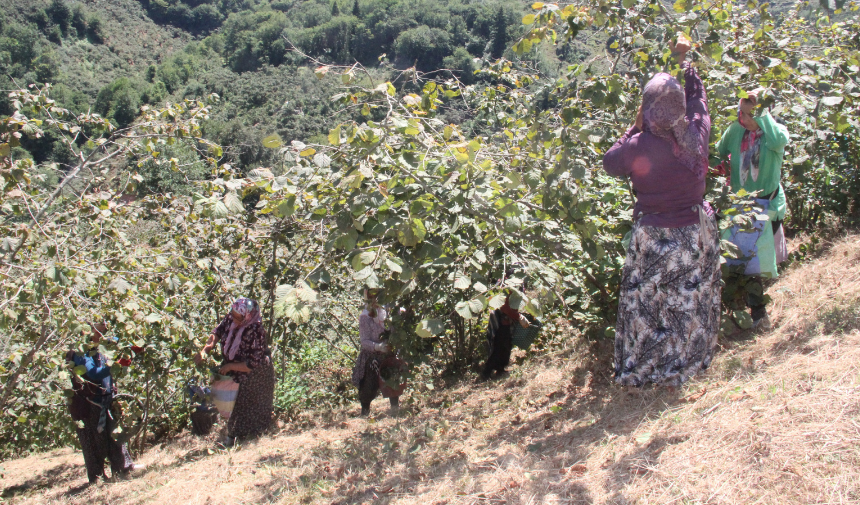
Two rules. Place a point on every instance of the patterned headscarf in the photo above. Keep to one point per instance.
(250, 312)
(664, 107)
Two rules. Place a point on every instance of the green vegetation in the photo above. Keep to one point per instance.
(152, 193)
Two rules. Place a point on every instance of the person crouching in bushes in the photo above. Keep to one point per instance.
(91, 406)
(248, 360)
(756, 145)
(376, 359)
(499, 332)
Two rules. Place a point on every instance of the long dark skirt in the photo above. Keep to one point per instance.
(252, 413)
(669, 305)
(98, 446)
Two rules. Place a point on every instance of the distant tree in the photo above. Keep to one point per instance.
(356, 11)
(60, 14)
(47, 66)
(500, 35)
(79, 20)
(424, 45)
(462, 64)
(206, 18)
(119, 101)
(335, 11)
(94, 29)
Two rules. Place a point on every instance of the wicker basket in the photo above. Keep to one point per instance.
(523, 337)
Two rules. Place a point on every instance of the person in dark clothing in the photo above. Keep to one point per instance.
(499, 333)
(92, 407)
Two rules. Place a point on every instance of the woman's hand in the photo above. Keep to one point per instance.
(681, 47)
(640, 118)
(198, 356)
(749, 103)
(524, 322)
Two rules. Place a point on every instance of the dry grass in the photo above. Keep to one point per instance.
(775, 420)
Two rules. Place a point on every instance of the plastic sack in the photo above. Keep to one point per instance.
(224, 392)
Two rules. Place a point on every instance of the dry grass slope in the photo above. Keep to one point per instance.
(775, 420)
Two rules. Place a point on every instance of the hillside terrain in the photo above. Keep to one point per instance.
(776, 419)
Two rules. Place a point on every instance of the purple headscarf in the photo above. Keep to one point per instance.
(664, 108)
(250, 312)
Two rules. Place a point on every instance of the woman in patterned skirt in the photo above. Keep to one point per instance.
(247, 359)
(669, 303)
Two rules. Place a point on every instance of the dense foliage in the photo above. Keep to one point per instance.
(244, 52)
(425, 185)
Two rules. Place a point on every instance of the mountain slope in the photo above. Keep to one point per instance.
(775, 420)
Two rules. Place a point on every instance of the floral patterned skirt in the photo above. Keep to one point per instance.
(669, 305)
(252, 413)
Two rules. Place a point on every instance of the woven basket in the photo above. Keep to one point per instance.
(523, 337)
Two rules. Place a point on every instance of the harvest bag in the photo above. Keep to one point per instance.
(224, 392)
(754, 244)
(523, 337)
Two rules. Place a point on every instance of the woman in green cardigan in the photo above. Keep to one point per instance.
(756, 145)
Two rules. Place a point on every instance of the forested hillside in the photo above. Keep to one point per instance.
(161, 158)
(115, 57)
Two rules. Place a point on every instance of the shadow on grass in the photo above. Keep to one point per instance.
(48, 479)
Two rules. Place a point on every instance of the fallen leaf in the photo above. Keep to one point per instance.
(578, 469)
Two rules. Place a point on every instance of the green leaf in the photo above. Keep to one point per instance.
(153, 317)
(394, 267)
(286, 207)
(310, 151)
(463, 309)
(304, 293)
(411, 233)
(528, 19)
(273, 141)
(334, 136)
(831, 100)
(497, 301)
(477, 305)
(360, 260)
(430, 327)
(462, 281)
(321, 160)
(363, 274)
(479, 287)
(120, 285)
(233, 203)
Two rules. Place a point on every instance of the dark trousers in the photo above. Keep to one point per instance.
(500, 349)
(368, 388)
(755, 298)
(98, 446)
